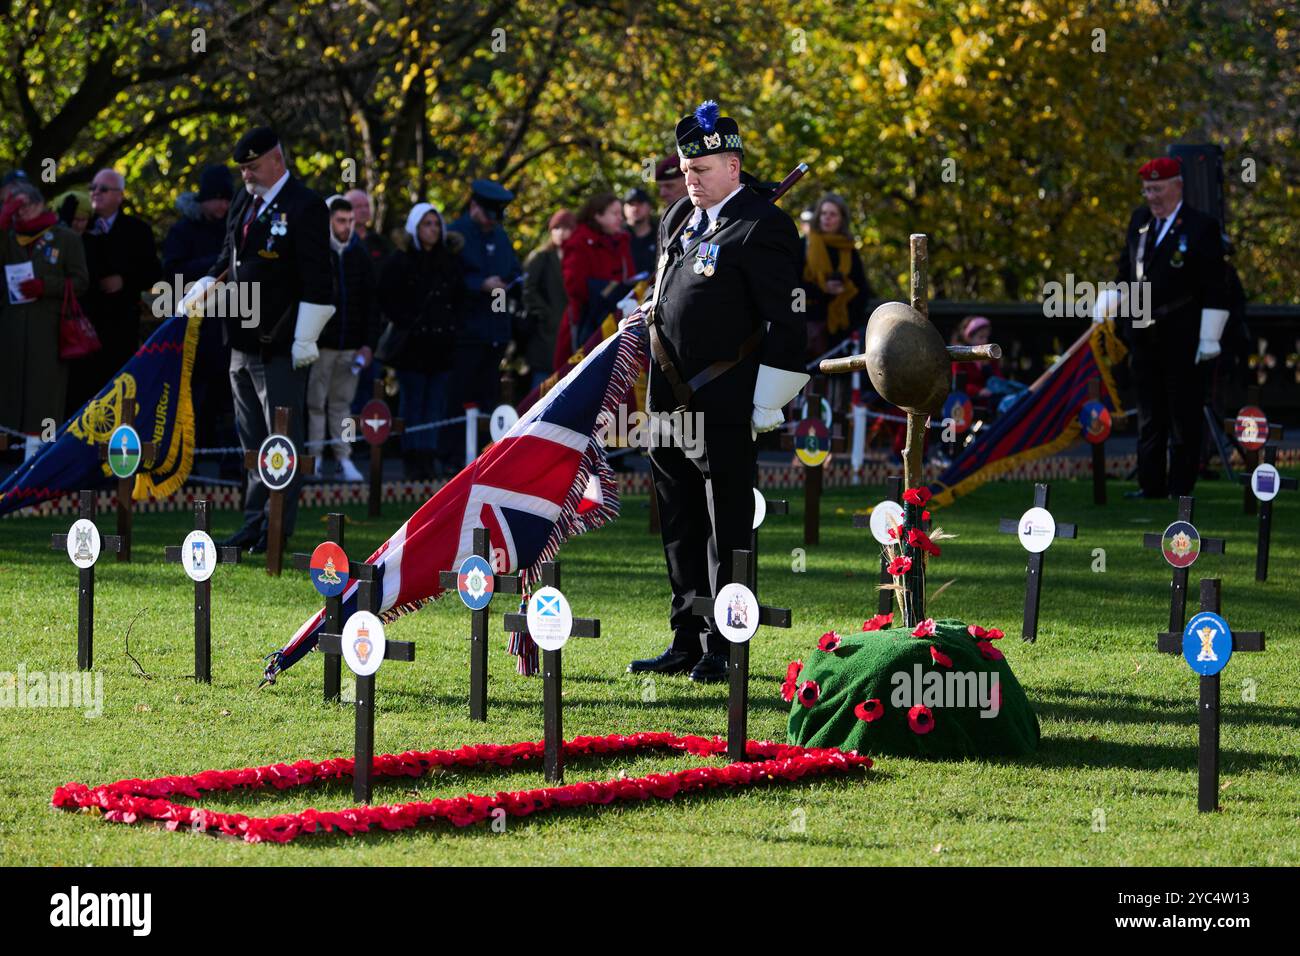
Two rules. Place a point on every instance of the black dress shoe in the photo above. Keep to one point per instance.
(669, 662)
(242, 538)
(259, 547)
(1140, 494)
(712, 669)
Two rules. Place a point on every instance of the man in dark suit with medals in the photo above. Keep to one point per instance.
(1179, 251)
(727, 349)
(277, 249)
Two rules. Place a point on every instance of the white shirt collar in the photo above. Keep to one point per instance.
(271, 193)
(712, 211)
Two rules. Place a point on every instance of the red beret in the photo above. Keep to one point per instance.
(669, 168)
(1165, 167)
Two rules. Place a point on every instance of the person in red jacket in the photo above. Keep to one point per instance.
(597, 262)
(974, 330)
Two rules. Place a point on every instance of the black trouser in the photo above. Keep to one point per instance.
(475, 377)
(1170, 396)
(259, 385)
(706, 511)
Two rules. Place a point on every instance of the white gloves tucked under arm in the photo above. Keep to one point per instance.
(1212, 323)
(311, 320)
(1107, 305)
(772, 392)
(195, 295)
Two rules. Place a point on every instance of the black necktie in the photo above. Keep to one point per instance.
(1154, 237)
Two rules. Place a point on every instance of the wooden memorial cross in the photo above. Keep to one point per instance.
(553, 678)
(1269, 454)
(86, 578)
(1207, 790)
(1034, 570)
(175, 554)
(478, 626)
(335, 525)
(376, 425)
(1250, 456)
(1178, 587)
(744, 570)
(813, 474)
(275, 521)
(369, 595)
(125, 486)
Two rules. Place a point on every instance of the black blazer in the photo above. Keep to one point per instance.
(1187, 273)
(287, 253)
(707, 318)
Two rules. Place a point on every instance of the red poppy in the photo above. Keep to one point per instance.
(920, 719)
(828, 641)
(893, 531)
(809, 691)
(993, 634)
(878, 621)
(916, 496)
(925, 516)
(787, 691)
(977, 632)
(870, 710)
(919, 539)
(900, 565)
(939, 657)
(792, 671)
(925, 628)
(989, 651)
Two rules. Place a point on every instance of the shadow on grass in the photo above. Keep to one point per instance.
(1111, 707)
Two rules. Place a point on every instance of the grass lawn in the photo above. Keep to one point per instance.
(1118, 719)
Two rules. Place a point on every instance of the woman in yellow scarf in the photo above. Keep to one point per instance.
(834, 280)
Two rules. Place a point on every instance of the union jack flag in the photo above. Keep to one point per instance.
(546, 480)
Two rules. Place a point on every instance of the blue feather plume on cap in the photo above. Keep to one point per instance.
(706, 114)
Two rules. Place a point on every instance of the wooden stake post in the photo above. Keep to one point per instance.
(275, 521)
(1178, 586)
(86, 584)
(1098, 453)
(478, 627)
(395, 427)
(1207, 789)
(553, 678)
(369, 595)
(1265, 512)
(893, 492)
(744, 569)
(1034, 570)
(175, 554)
(126, 486)
(813, 475)
(333, 623)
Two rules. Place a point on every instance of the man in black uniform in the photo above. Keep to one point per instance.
(1179, 251)
(727, 347)
(277, 243)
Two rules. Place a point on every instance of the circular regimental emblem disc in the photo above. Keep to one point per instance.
(1265, 482)
(84, 543)
(1037, 529)
(550, 619)
(277, 462)
(1207, 643)
(475, 583)
(1181, 544)
(888, 514)
(1252, 428)
(124, 451)
(959, 408)
(503, 419)
(363, 643)
(329, 569)
(199, 555)
(376, 422)
(1094, 418)
(812, 442)
(735, 610)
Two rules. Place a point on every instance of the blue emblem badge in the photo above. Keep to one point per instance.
(475, 583)
(1207, 643)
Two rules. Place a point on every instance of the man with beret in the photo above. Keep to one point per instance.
(1179, 251)
(642, 227)
(726, 347)
(491, 267)
(277, 248)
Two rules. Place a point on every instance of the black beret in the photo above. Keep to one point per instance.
(255, 144)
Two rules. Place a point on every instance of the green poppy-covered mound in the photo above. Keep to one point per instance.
(873, 692)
